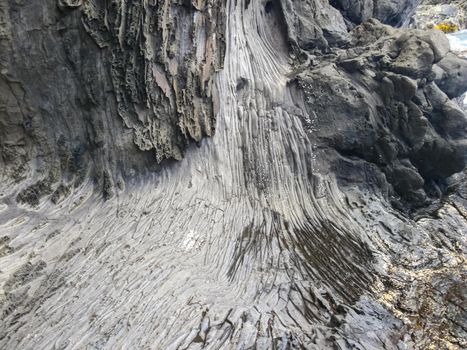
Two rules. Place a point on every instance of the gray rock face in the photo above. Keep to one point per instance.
(312, 24)
(393, 12)
(163, 57)
(317, 200)
(381, 112)
(98, 64)
(453, 77)
(355, 11)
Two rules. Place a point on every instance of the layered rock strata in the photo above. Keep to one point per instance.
(327, 210)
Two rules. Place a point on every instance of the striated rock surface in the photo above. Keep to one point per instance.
(163, 56)
(72, 71)
(318, 200)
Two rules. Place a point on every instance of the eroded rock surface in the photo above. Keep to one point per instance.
(325, 210)
(72, 71)
(393, 12)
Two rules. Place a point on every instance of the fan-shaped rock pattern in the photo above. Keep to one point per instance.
(326, 211)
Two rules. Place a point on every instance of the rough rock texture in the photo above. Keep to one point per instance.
(96, 63)
(163, 56)
(326, 211)
(435, 12)
(393, 12)
(388, 109)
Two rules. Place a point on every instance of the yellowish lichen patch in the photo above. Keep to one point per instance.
(447, 27)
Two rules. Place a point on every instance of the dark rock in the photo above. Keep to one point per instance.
(352, 65)
(404, 177)
(393, 12)
(454, 78)
(404, 87)
(312, 24)
(437, 158)
(454, 121)
(414, 57)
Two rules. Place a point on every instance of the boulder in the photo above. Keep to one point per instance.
(454, 122)
(414, 56)
(454, 79)
(392, 12)
(356, 11)
(404, 177)
(438, 42)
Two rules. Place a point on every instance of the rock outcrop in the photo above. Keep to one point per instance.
(393, 12)
(65, 90)
(317, 199)
(391, 109)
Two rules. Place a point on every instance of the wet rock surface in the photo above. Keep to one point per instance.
(318, 200)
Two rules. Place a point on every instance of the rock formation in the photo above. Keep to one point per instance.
(393, 12)
(231, 174)
(439, 12)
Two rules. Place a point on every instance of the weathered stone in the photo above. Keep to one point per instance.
(455, 120)
(405, 178)
(454, 80)
(393, 12)
(414, 57)
(356, 11)
(438, 42)
(404, 87)
(324, 212)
